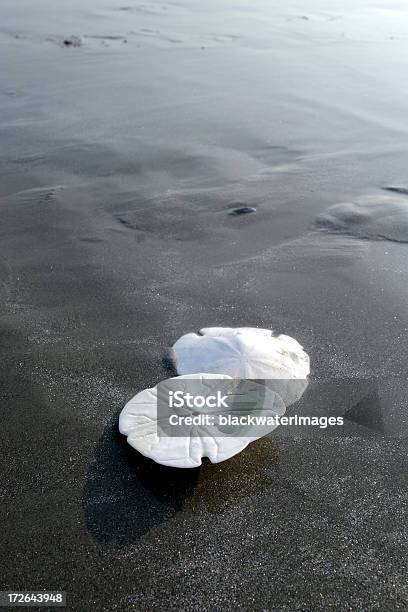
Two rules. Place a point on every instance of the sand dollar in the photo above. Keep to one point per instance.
(147, 427)
(241, 352)
(246, 352)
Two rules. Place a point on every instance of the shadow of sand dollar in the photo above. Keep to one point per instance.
(126, 495)
(118, 508)
(376, 217)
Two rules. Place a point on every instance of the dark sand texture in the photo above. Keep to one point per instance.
(121, 158)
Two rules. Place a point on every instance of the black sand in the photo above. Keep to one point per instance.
(121, 158)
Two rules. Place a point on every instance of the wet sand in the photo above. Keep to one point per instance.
(124, 151)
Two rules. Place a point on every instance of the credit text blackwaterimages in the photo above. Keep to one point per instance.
(205, 420)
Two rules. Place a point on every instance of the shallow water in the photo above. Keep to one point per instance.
(121, 159)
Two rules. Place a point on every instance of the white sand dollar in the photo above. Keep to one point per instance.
(241, 352)
(141, 423)
(246, 352)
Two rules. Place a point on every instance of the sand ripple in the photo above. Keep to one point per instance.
(374, 217)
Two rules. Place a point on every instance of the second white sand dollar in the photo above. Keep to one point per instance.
(147, 426)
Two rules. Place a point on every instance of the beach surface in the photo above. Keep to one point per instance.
(129, 132)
